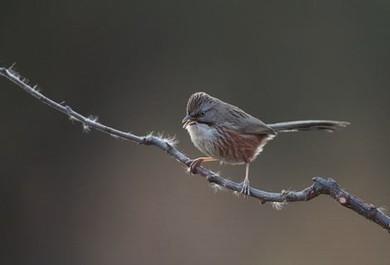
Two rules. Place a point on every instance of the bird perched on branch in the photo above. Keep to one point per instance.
(226, 133)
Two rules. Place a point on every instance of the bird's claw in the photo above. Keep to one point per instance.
(197, 162)
(192, 167)
(245, 188)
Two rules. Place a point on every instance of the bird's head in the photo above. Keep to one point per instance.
(201, 108)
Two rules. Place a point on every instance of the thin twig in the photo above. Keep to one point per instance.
(320, 185)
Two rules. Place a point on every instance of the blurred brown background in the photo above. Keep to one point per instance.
(68, 197)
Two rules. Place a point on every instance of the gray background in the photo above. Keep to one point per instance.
(68, 197)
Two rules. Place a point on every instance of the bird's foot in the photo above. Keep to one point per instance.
(197, 162)
(245, 189)
(194, 163)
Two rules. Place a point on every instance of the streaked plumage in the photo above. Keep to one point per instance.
(226, 133)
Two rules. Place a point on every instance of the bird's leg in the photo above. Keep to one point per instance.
(198, 161)
(245, 184)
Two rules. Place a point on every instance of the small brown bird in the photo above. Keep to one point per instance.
(226, 133)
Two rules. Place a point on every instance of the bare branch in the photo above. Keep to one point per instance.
(320, 185)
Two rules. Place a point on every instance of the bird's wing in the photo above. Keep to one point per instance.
(247, 124)
(252, 125)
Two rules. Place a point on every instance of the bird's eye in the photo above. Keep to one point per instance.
(201, 114)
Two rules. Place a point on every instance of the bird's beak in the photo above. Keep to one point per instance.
(188, 120)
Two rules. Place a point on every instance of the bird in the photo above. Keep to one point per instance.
(226, 133)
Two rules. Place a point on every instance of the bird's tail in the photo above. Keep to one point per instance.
(310, 125)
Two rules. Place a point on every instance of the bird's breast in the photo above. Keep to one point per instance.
(225, 144)
(203, 136)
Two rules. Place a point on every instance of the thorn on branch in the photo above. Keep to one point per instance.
(278, 205)
(36, 88)
(114, 136)
(86, 128)
(12, 66)
(216, 187)
(91, 120)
